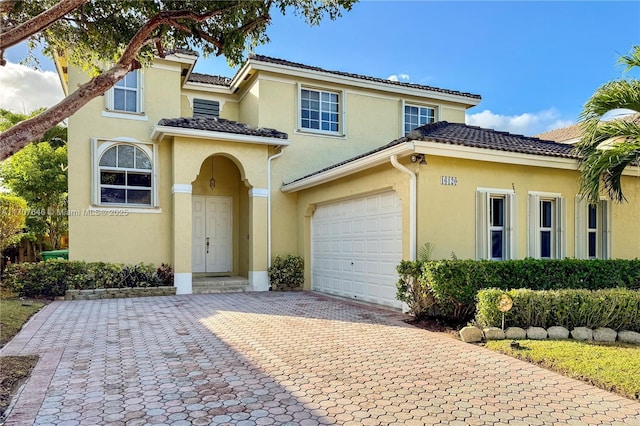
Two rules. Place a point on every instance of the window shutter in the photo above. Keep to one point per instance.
(140, 93)
(482, 225)
(533, 220)
(561, 225)
(510, 226)
(206, 108)
(581, 228)
(606, 229)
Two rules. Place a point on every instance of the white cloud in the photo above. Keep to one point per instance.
(398, 77)
(523, 124)
(25, 89)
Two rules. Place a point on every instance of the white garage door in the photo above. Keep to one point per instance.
(356, 246)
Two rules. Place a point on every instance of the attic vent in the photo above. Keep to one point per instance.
(205, 108)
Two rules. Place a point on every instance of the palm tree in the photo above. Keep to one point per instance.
(608, 147)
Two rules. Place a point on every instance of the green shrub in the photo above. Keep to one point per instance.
(617, 308)
(287, 273)
(453, 284)
(54, 277)
(418, 296)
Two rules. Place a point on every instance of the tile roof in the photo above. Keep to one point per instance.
(277, 61)
(217, 80)
(564, 134)
(569, 133)
(226, 81)
(477, 137)
(471, 136)
(215, 124)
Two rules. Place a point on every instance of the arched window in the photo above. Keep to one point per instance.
(126, 176)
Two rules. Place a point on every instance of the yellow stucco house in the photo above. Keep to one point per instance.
(353, 173)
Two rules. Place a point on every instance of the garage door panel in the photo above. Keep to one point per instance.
(356, 246)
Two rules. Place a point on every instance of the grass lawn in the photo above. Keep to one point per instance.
(14, 369)
(614, 367)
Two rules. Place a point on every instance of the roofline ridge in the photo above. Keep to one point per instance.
(286, 62)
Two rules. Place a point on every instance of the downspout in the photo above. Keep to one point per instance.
(412, 205)
(274, 156)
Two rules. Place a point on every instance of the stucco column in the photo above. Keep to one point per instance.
(182, 237)
(258, 205)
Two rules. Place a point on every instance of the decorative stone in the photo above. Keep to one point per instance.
(536, 333)
(471, 334)
(604, 334)
(557, 332)
(627, 336)
(493, 333)
(582, 333)
(72, 294)
(515, 333)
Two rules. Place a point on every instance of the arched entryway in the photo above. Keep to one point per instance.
(220, 216)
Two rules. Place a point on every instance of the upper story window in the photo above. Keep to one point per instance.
(126, 94)
(593, 230)
(495, 224)
(125, 176)
(546, 226)
(320, 110)
(416, 116)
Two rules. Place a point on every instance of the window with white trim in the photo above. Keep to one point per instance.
(320, 110)
(495, 224)
(546, 226)
(593, 229)
(125, 175)
(416, 116)
(126, 94)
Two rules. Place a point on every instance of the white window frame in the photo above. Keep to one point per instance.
(419, 106)
(341, 111)
(558, 224)
(110, 103)
(98, 147)
(602, 230)
(484, 227)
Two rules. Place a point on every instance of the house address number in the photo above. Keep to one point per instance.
(448, 180)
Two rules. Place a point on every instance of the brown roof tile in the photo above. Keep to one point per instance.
(569, 133)
(215, 124)
(217, 80)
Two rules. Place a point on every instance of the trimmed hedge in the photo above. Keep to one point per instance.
(54, 277)
(454, 284)
(618, 309)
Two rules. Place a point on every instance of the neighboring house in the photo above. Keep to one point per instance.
(353, 173)
(572, 134)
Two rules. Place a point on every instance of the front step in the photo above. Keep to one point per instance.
(210, 285)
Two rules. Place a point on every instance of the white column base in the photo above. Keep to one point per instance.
(182, 282)
(259, 280)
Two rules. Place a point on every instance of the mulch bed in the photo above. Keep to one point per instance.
(14, 370)
(437, 325)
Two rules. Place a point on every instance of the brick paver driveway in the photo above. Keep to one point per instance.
(279, 358)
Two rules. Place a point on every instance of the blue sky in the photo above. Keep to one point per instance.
(534, 63)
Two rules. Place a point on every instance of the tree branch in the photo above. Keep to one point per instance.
(37, 24)
(18, 136)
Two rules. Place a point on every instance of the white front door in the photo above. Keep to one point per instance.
(212, 234)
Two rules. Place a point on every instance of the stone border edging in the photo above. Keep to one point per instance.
(472, 334)
(119, 293)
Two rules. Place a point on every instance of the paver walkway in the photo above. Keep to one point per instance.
(283, 359)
